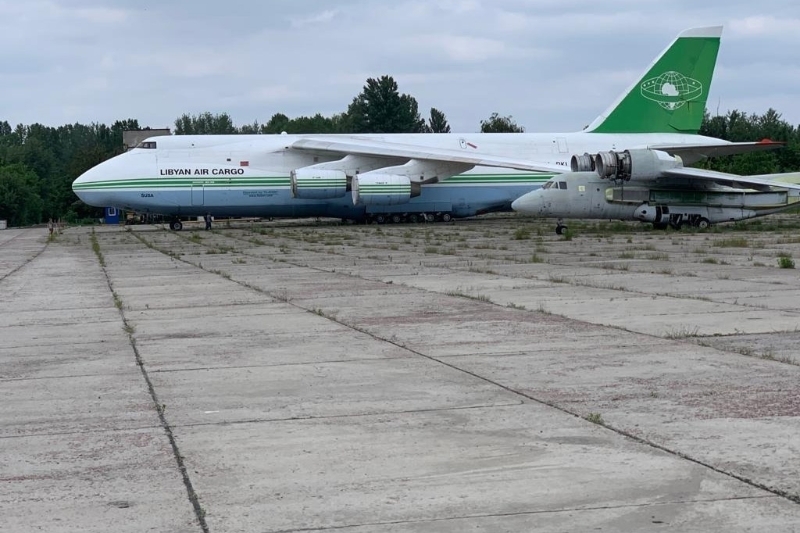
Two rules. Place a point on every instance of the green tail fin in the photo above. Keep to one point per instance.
(671, 96)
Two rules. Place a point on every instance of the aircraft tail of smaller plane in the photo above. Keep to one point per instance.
(671, 95)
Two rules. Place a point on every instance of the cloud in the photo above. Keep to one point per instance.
(552, 64)
(322, 17)
(461, 48)
(764, 26)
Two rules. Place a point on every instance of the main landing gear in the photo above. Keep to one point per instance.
(560, 227)
(176, 225)
(401, 218)
(678, 220)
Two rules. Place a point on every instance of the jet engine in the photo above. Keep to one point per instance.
(318, 184)
(640, 164)
(582, 163)
(383, 189)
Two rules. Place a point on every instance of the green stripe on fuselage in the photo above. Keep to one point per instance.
(176, 183)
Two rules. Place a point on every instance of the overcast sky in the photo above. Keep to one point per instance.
(552, 64)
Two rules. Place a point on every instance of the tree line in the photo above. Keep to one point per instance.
(39, 163)
(379, 108)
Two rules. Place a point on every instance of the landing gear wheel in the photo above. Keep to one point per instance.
(429, 217)
(447, 217)
(176, 225)
(560, 229)
(380, 219)
(396, 219)
(703, 223)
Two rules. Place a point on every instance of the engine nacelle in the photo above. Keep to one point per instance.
(657, 214)
(582, 163)
(318, 184)
(374, 188)
(640, 164)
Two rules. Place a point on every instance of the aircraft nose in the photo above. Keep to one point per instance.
(529, 204)
(87, 181)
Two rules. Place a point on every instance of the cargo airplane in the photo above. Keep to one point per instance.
(396, 177)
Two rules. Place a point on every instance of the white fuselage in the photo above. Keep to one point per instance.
(248, 175)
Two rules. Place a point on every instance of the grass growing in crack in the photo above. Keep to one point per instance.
(96, 249)
(785, 261)
(769, 355)
(476, 297)
(595, 418)
(221, 273)
(732, 242)
(522, 234)
(117, 300)
(681, 332)
(482, 270)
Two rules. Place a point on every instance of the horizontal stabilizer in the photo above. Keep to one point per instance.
(790, 180)
(691, 154)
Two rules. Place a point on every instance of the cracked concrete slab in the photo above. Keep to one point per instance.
(428, 378)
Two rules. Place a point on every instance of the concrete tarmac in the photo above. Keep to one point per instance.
(483, 375)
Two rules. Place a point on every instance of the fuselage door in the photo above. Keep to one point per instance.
(198, 194)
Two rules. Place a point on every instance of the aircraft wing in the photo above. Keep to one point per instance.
(790, 180)
(374, 148)
(692, 153)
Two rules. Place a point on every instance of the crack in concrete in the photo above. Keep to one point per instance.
(80, 432)
(523, 513)
(193, 499)
(775, 491)
(354, 415)
(70, 376)
(27, 261)
(275, 365)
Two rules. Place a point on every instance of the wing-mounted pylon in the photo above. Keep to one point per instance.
(331, 179)
(398, 184)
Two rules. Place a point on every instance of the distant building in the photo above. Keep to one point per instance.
(131, 138)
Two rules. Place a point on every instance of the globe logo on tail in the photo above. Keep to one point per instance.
(671, 90)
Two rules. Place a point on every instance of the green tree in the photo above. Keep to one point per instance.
(437, 123)
(20, 202)
(737, 126)
(204, 124)
(314, 124)
(380, 108)
(497, 124)
(277, 123)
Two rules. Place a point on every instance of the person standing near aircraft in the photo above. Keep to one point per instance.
(207, 219)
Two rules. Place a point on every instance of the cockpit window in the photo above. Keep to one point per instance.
(148, 145)
(547, 185)
(562, 185)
